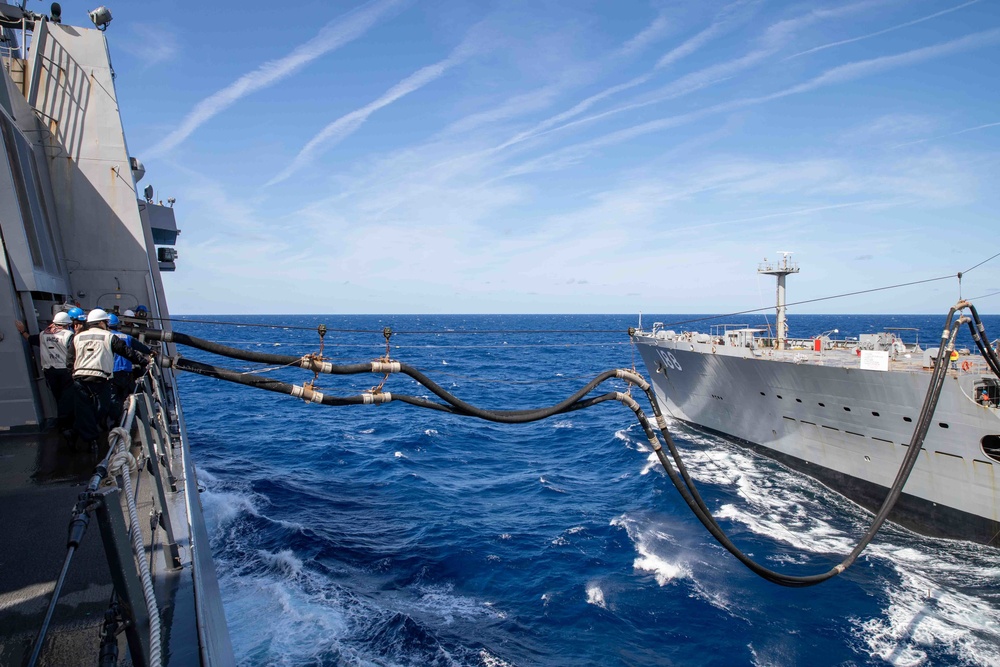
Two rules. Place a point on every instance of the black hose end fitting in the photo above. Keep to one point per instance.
(78, 526)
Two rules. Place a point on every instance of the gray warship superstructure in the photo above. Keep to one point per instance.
(843, 412)
(74, 231)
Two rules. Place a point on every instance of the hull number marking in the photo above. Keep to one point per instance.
(669, 360)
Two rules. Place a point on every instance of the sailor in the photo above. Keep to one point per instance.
(54, 344)
(123, 382)
(79, 318)
(985, 397)
(91, 356)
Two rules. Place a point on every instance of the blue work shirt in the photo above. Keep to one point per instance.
(121, 363)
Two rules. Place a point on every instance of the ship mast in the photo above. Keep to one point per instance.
(779, 270)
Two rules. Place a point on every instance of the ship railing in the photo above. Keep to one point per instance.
(169, 437)
(130, 575)
(111, 496)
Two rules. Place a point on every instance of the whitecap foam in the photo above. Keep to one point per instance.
(595, 596)
(285, 561)
(652, 462)
(663, 571)
(563, 424)
(222, 507)
(550, 486)
(431, 431)
(399, 455)
(927, 615)
(649, 545)
(441, 602)
(278, 617)
(490, 660)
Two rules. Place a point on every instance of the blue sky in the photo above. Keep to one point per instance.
(407, 156)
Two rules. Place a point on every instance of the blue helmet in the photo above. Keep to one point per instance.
(113, 321)
(77, 315)
(141, 309)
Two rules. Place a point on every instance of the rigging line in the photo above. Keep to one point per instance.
(501, 346)
(975, 298)
(822, 298)
(423, 332)
(980, 264)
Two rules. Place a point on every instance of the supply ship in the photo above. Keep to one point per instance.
(74, 233)
(843, 412)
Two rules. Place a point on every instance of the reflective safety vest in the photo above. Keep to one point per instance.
(94, 357)
(121, 363)
(53, 346)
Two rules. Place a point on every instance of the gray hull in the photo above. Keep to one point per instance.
(845, 426)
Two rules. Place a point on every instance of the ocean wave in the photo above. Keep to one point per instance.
(530, 544)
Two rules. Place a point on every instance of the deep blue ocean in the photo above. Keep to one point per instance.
(391, 535)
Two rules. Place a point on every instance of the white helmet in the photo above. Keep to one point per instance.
(129, 313)
(97, 315)
(62, 319)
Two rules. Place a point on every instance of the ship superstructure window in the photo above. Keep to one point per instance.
(846, 409)
(991, 446)
(907, 419)
(822, 405)
(942, 425)
(874, 414)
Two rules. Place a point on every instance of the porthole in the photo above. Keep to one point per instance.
(874, 414)
(763, 394)
(779, 396)
(798, 400)
(907, 419)
(822, 405)
(846, 409)
(991, 446)
(942, 425)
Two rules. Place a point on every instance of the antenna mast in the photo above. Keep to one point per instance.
(779, 270)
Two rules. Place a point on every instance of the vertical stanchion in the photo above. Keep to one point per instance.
(124, 573)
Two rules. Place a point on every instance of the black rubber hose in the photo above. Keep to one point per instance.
(40, 639)
(237, 353)
(500, 416)
(276, 386)
(978, 332)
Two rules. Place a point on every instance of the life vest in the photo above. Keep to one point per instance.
(54, 344)
(94, 357)
(121, 363)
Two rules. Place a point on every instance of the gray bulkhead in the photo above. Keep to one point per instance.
(63, 136)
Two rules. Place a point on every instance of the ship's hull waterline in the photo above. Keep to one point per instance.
(847, 427)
